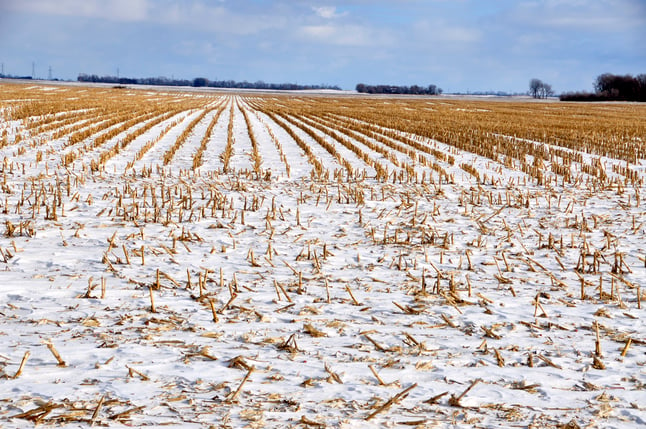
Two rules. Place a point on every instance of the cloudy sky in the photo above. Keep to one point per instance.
(460, 45)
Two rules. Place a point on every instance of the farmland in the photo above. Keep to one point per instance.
(268, 260)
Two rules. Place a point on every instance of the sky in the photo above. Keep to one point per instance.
(458, 45)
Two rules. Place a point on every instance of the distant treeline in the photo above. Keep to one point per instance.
(199, 82)
(8, 76)
(610, 87)
(393, 89)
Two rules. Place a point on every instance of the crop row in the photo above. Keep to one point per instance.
(398, 138)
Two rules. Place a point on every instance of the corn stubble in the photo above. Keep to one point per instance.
(419, 224)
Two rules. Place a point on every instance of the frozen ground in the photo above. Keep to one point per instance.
(161, 297)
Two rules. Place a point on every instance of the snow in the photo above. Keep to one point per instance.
(286, 352)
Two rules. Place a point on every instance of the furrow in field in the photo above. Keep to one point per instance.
(323, 159)
(155, 155)
(241, 155)
(294, 158)
(357, 161)
(79, 150)
(188, 133)
(306, 158)
(269, 147)
(94, 155)
(142, 145)
(386, 160)
(255, 155)
(183, 158)
(414, 146)
(443, 157)
(67, 121)
(123, 145)
(32, 150)
(197, 157)
(211, 159)
(576, 166)
(522, 155)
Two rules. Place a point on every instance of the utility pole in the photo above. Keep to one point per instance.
(49, 74)
(33, 69)
(117, 72)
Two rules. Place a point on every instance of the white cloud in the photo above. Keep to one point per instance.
(343, 35)
(327, 12)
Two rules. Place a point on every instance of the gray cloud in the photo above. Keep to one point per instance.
(115, 10)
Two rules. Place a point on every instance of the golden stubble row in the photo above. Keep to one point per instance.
(390, 135)
(520, 135)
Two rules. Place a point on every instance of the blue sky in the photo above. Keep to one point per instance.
(459, 45)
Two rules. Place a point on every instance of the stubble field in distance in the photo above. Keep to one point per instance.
(252, 259)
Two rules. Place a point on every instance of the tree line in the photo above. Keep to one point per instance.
(8, 76)
(394, 89)
(200, 82)
(611, 87)
(540, 89)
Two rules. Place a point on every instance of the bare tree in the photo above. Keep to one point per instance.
(540, 89)
(535, 87)
(546, 90)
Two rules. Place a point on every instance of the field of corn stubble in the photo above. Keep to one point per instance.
(204, 259)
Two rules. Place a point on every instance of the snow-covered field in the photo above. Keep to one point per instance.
(140, 289)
